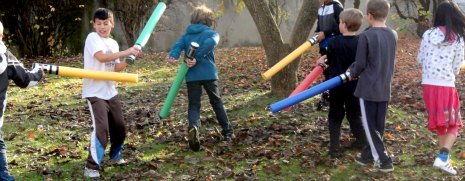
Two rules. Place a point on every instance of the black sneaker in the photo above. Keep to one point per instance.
(357, 145)
(335, 153)
(386, 167)
(193, 137)
(363, 161)
(229, 137)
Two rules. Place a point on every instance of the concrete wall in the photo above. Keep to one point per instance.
(235, 28)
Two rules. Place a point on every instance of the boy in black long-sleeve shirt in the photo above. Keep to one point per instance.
(374, 66)
(342, 102)
(327, 28)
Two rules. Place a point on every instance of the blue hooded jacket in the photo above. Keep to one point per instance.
(207, 38)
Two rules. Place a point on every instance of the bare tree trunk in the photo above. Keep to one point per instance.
(275, 48)
(357, 4)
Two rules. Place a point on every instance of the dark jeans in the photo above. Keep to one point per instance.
(4, 172)
(194, 91)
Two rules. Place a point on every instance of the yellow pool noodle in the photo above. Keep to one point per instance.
(102, 75)
(286, 60)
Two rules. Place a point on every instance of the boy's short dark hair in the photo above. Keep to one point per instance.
(203, 15)
(103, 14)
(379, 9)
(352, 18)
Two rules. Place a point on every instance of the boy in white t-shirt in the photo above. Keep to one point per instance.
(101, 53)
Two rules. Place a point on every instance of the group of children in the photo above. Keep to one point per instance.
(369, 58)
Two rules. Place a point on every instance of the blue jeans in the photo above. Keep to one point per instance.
(194, 93)
(4, 172)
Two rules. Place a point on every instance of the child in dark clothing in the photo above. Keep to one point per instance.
(341, 54)
(202, 73)
(374, 66)
(11, 69)
(327, 28)
(328, 22)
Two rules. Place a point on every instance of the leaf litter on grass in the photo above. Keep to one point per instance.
(285, 146)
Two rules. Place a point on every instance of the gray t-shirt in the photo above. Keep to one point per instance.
(374, 64)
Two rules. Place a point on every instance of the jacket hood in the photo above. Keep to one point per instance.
(438, 34)
(196, 28)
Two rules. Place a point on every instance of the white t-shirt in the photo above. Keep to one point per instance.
(103, 89)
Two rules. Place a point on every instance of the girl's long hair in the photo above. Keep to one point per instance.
(448, 14)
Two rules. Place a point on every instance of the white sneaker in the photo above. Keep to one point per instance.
(120, 161)
(91, 173)
(444, 165)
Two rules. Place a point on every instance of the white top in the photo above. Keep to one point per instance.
(440, 61)
(103, 89)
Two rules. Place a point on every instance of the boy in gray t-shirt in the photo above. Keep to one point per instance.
(374, 66)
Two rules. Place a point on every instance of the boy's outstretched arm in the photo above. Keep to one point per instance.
(176, 49)
(20, 76)
(106, 57)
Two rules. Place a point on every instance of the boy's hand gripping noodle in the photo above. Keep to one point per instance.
(83, 73)
(291, 57)
(147, 31)
(327, 85)
(165, 110)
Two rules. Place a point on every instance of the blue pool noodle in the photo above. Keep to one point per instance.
(290, 101)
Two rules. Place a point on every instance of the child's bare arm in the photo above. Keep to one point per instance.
(106, 57)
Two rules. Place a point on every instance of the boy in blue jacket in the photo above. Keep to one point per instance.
(202, 73)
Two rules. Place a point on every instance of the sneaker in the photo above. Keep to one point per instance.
(386, 167)
(91, 173)
(115, 161)
(363, 161)
(193, 137)
(444, 165)
(229, 137)
(357, 145)
(335, 153)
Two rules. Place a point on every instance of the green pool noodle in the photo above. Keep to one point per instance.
(151, 23)
(165, 110)
(148, 29)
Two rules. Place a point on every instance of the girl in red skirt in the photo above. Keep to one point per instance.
(441, 56)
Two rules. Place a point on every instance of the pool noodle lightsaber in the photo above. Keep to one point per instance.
(83, 73)
(307, 82)
(291, 57)
(174, 89)
(329, 84)
(148, 29)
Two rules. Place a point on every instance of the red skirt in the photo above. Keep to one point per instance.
(443, 107)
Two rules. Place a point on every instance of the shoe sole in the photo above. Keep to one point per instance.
(194, 142)
(361, 163)
(437, 167)
(386, 170)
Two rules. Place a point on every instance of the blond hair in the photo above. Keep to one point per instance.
(352, 18)
(379, 9)
(203, 15)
